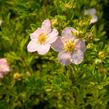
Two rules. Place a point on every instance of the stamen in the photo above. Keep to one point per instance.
(69, 46)
(42, 38)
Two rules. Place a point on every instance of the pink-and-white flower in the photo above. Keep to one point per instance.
(4, 67)
(92, 13)
(42, 38)
(71, 49)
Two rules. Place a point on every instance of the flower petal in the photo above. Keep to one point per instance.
(52, 36)
(3, 61)
(36, 33)
(64, 58)
(80, 45)
(91, 11)
(1, 21)
(77, 57)
(67, 33)
(33, 46)
(58, 45)
(43, 49)
(94, 19)
(46, 26)
(4, 67)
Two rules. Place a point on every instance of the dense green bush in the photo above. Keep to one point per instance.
(41, 82)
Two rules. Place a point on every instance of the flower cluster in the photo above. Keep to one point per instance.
(4, 67)
(70, 48)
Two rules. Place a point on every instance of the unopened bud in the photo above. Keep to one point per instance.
(17, 76)
(54, 22)
(102, 55)
(102, 70)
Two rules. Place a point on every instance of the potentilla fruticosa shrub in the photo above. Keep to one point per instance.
(54, 54)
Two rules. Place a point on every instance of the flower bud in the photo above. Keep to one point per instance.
(102, 70)
(54, 22)
(17, 76)
(102, 55)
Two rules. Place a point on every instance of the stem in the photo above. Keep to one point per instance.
(71, 72)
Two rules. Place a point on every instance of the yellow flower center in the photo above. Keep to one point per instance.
(42, 38)
(69, 46)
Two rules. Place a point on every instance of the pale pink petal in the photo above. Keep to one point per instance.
(77, 57)
(94, 19)
(91, 11)
(67, 33)
(46, 26)
(52, 36)
(36, 33)
(43, 49)
(58, 45)
(33, 46)
(64, 58)
(4, 67)
(3, 61)
(1, 21)
(80, 45)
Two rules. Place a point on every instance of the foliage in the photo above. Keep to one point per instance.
(41, 82)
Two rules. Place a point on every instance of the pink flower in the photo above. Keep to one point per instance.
(42, 38)
(71, 49)
(92, 13)
(4, 67)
